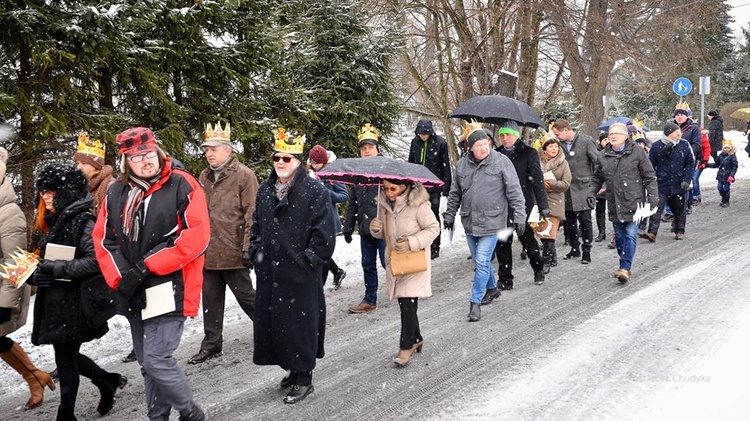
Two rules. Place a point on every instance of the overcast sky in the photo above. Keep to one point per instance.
(741, 14)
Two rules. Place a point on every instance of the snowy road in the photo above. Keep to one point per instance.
(671, 343)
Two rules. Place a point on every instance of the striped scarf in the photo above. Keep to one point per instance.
(132, 215)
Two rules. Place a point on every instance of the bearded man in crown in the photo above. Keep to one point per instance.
(292, 238)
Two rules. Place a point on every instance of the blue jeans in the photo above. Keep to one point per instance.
(724, 188)
(625, 233)
(481, 249)
(696, 185)
(371, 247)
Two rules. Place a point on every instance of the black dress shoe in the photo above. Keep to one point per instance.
(297, 393)
(204, 355)
(572, 254)
(434, 254)
(601, 237)
(130, 357)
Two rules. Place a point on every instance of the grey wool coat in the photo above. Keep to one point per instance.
(581, 158)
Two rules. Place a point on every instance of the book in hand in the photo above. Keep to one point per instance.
(59, 252)
(549, 176)
(23, 266)
(159, 300)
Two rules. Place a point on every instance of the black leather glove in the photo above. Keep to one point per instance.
(41, 280)
(545, 212)
(132, 279)
(348, 237)
(4, 314)
(448, 225)
(591, 202)
(520, 229)
(46, 267)
(247, 260)
(684, 185)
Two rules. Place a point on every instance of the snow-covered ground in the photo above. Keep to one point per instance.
(685, 397)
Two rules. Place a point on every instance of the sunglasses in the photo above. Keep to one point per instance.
(286, 159)
(138, 158)
(393, 189)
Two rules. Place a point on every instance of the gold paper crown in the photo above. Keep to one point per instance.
(682, 105)
(284, 143)
(638, 123)
(89, 147)
(217, 133)
(471, 128)
(726, 142)
(368, 132)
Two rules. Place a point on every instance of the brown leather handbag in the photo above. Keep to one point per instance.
(404, 263)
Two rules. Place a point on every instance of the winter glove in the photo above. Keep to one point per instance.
(46, 267)
(702, 165)
(684, 185)
(447, 222)
(348, 237)
(591, 202)
(376, 226)
(402, 245)
(4, 315)
(41, 280)
(730, 179)
(520, 229)
(247, 259)
(544, 213)
(132, 279)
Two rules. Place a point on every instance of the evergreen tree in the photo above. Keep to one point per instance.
(339, 67)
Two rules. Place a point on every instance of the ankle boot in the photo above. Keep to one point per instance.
(108, 384)
(475, 313)
(65, 414)
(572, 254)
(547, 255)
(17, 358)
(586, 258)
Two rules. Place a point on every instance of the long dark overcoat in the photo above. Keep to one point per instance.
(290, 242)
(674, 165)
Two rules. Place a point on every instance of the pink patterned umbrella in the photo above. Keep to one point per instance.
(372, 171)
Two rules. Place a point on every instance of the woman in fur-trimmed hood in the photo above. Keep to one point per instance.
(406, 221)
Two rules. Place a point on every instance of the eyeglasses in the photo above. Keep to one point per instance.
(286, 159)
(138, 158)
(617, 133)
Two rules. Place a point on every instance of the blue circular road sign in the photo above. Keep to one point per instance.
(682, 86)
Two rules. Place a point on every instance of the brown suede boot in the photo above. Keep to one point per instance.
(35, 377)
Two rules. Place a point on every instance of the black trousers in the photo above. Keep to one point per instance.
(410, 333)
(504, 254)
(572, 220)
(71, 364)
(676, 203)
(215, 283)
(601, 215)
(330, 267)
(435, 206)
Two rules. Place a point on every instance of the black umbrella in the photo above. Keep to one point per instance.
(372, 171)
(496, 108)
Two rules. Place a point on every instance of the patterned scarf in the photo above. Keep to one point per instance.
(282, 189)
(132, 215)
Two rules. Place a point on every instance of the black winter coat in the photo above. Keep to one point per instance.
(692, 133)
(716, 133)
(362, 208)
(75, 310)
(727, 164)
(673, 165)
(434, 155)
(290, 242)
(525, 159)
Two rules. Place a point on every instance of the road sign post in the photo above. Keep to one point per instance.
(704, 88)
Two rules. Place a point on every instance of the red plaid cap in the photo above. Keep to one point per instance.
(135, 140)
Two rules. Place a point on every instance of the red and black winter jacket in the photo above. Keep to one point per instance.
(173, 237)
